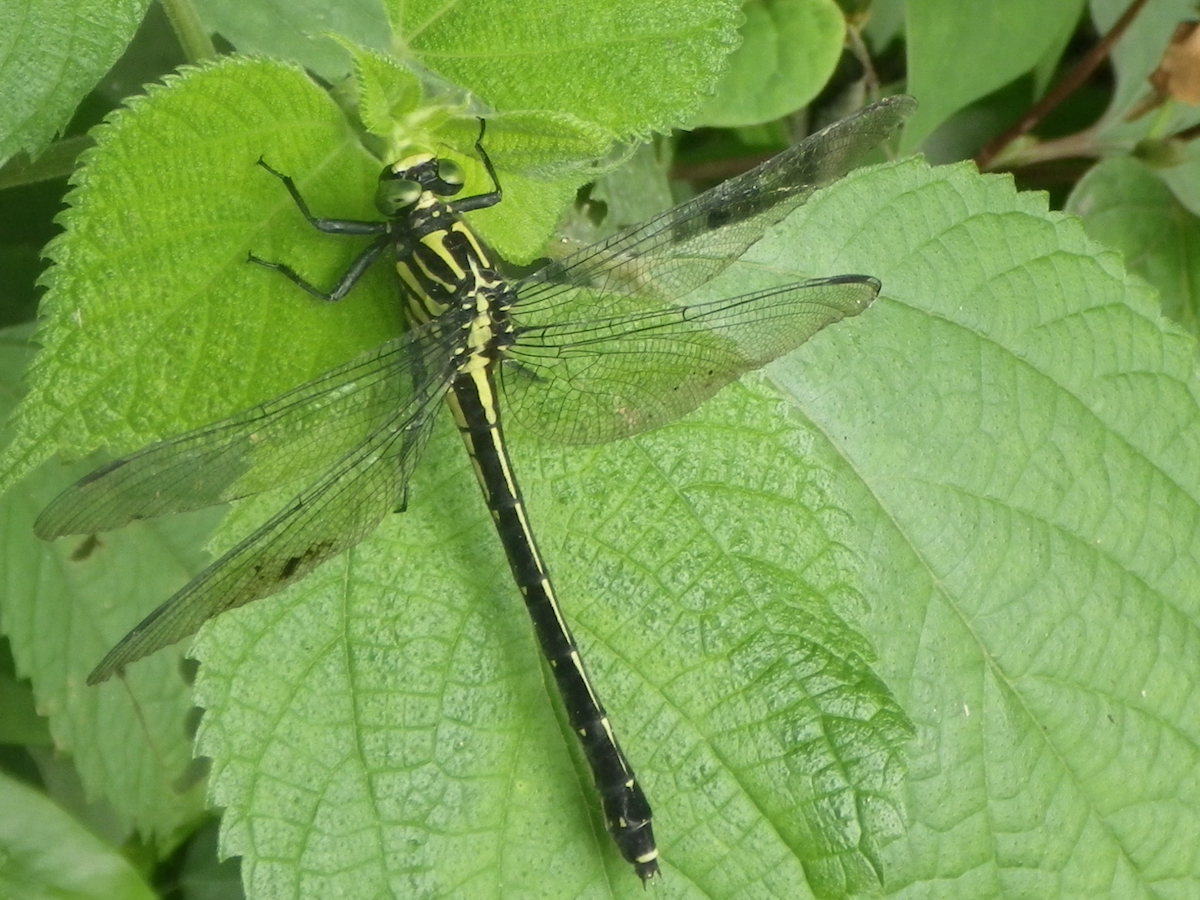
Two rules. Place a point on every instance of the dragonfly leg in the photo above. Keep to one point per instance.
(345, 283)
(329, 226)
(481, 201)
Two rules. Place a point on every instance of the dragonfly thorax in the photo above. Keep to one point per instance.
(446, 273)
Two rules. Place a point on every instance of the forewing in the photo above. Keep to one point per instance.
(331, 516)
(677, 251)
(292, 436)
(600, 379)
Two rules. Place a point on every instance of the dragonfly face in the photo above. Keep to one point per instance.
(402, 184)
(603, 344)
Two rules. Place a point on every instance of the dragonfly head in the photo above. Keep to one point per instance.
(402, 184)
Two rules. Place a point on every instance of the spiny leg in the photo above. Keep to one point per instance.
(481, 201)
(329, 226)
(357, 268)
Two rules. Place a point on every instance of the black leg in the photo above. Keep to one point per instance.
(481, 201)
(329, 226)
(345, 283)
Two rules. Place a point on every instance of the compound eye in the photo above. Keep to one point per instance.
(451, 173)
(394, 195)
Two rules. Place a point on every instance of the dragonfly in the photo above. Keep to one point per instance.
(602, 344)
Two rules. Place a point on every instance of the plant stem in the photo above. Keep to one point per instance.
(197, 45)
(1078, 74)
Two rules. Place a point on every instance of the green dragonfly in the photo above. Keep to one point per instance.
(600, 345)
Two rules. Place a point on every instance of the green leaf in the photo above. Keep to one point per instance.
(1024, 433)
(63, 605)
(172, 185)
(631, 67)
(388, 92)
(409, 726)
(54, 52)
(45, 853)
(1002, 41)
(1126, 206)
(299, 30)
(628, 67)
(789, 49)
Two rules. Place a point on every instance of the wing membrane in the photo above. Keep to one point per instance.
(675, 252)
(296, 434)
(333, 515)
(604, 349)
(608, 378)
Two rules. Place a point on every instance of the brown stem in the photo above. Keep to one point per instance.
(1188, 134)
(1077, 75)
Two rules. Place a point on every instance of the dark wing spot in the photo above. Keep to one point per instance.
(305, 560)
(85, 549)
(719, 217)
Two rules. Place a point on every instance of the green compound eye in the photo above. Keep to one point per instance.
(451, 172)
(393, 196)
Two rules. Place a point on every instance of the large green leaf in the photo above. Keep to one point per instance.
(53, 52)
(627, 66)
(1002, 41)
(60, 607)
(1022, 432)
(1125, 205)
(407, 733)
(630, 66)
(46, 853)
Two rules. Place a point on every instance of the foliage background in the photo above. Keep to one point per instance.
(913, 614)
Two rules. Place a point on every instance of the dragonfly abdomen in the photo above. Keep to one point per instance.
(626, 811)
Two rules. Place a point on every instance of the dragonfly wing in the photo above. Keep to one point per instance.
(329, 517)
(600, 379)
(675, 252)
(294, 435)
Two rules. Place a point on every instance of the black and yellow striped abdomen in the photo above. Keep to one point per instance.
(626, 810)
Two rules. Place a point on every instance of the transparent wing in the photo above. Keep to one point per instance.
(596, 380)
(605, 349)
(675, 252)
(335, 513)
(296, 434)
